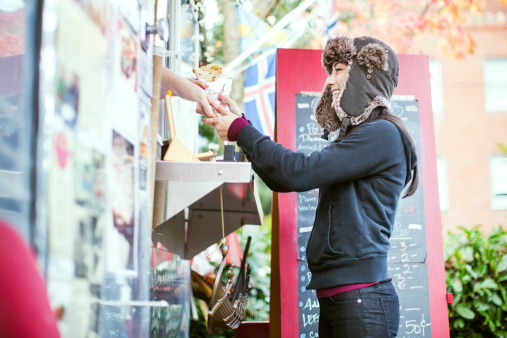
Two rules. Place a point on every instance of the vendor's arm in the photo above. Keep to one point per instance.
(188, 89)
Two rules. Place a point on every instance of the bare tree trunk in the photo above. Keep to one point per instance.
(263, 8)
(232, 47)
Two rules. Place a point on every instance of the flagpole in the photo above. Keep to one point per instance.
(276, 28)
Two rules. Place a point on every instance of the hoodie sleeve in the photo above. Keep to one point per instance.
(372, 149)
(270, 183)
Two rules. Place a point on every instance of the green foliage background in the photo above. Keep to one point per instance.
(476, 274)
(259, 260)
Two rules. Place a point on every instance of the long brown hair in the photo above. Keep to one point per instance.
(384, 114)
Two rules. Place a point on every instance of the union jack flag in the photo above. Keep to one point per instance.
(259, 97)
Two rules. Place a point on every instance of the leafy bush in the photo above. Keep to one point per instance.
(476, 274)
(259, 260)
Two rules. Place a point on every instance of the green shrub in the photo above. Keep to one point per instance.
(259, 260)
(476, 274)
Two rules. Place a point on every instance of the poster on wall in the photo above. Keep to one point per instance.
(125, 149)
(122, 236)
(89, 185)
(125, 103)
(76, 207)
(76, 158)
(98, 177)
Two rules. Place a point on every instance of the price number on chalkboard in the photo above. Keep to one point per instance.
(401, 278)
(416, 327)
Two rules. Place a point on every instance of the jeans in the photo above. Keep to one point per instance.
(369, 312)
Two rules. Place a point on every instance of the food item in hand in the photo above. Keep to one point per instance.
(209, 72)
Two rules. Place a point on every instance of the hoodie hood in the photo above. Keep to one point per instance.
(370, 79)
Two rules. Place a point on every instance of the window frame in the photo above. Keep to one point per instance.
(494, 99)
(498, 181)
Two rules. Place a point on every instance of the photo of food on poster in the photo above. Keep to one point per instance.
(82, 52)
(67, 94)
(125, 78)
(89, 181)
(123, 235)
(128, 60)
(61, 209)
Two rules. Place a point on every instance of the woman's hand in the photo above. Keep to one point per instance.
(221, 123)
(230, 103)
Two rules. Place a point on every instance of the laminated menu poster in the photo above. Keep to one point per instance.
(407, 254)
(74, 116)
(95, 128)
(123, 235)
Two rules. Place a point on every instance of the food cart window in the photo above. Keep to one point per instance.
(184, 44)
(17, 119)
(183, 50)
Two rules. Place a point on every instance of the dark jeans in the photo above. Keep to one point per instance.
(369, 312)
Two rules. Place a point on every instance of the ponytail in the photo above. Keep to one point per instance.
(410, 154)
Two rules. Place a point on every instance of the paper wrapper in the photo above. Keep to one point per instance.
(221, 85)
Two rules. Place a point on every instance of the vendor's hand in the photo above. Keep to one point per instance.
(221, 123)
(201, 83)
(224, 99)
(203, 106)
(202, 98)
(188, 89)
(230, 103)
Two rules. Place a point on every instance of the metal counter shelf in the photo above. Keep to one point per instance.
(187, 208)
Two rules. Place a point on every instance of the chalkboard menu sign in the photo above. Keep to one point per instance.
(407, 255)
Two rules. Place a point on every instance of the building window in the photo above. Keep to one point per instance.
(495, 84)
(437, 88)
(498, 176)
(443, 189)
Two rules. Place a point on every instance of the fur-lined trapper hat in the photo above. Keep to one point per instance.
(370, 79)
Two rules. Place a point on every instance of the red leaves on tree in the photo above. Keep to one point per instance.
(398, 22)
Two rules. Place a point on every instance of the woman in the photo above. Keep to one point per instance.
(360, 176)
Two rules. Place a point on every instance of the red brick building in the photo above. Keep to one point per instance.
(470, 117)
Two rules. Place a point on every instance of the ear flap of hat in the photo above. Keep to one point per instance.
(325, 114)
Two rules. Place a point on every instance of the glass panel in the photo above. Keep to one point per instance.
(188, 38)
(495, 84)
(437, 91)
(443, 187)
(498, 172)
(16, 115)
